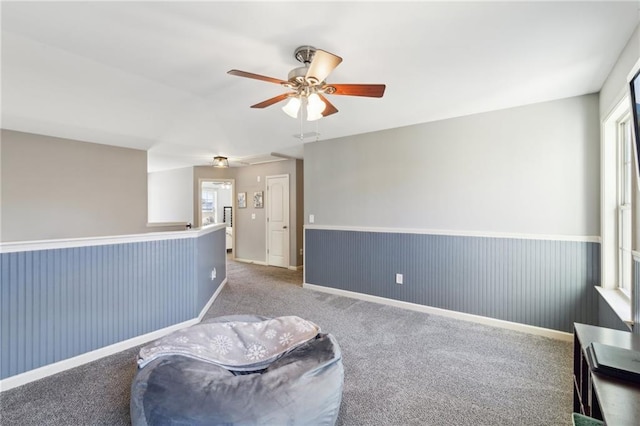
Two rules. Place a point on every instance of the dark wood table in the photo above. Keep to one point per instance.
(615, 401)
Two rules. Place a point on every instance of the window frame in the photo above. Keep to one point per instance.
(609, 288)
(625, 174)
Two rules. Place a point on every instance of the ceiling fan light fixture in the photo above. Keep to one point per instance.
(220, 161)
(292, 107)
(308, 87)
(315, 105)
(313, 116)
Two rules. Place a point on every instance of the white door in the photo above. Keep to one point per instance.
(277, 205)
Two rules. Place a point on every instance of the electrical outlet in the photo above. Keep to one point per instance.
(398, 278)
(301, 252)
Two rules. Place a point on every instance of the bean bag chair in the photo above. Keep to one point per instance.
(240, 370)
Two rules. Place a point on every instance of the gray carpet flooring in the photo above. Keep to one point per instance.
(401, 367)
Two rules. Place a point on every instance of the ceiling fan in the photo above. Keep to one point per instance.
(308, 85)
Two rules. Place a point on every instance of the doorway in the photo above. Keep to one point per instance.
(216, 206)
(277, 204)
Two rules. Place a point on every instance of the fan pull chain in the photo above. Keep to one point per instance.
(301, 120)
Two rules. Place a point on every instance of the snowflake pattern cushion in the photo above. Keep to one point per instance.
(235, 345)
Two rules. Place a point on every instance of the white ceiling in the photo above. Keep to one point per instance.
(152, 75)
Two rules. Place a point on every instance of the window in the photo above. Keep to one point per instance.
(208, 200)
(625, 217)
(616, 178)
(209, 206)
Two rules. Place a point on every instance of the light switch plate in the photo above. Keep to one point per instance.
(312, 218)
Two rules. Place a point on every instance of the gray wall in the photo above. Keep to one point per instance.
(211, 255)
(542, 283)
(615, 86)
(532, 170)
(60, 303)
(250, 234)
(61, 188)
(608, 318)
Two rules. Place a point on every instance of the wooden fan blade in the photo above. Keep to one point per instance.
(321, 66)
(273, 100)
(329, 109)
(256, 76)
(368, 90)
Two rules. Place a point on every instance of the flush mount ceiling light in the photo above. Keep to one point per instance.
(220, 161)
(308, 85)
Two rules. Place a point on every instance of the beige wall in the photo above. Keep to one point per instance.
(61, 188)
(250, 234)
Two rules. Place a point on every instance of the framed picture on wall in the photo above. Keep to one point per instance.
(258, 203)
(242, 200)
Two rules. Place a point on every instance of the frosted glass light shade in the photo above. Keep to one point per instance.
(220, 161)
(315, 106)
(313, 116)
(292, 107)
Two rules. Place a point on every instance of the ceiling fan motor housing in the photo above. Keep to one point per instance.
(297, 75)
(305, 54)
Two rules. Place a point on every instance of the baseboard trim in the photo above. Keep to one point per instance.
(255, 262)
(87, 357)
(212, 299)
(258, 262)
(539, 331)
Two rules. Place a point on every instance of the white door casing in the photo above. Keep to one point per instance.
(277, 205)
